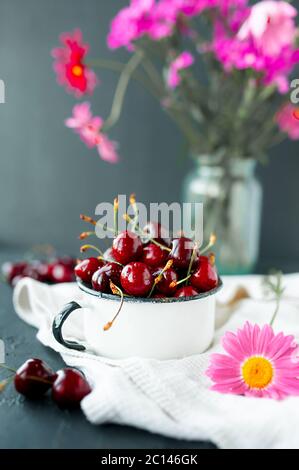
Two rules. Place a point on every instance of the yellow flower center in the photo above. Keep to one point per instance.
(77, 70)
(257, 372)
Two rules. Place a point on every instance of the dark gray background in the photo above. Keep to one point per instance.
(47, 177)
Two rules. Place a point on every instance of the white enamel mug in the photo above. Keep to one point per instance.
(166, 328)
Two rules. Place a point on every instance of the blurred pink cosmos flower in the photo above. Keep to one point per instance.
(183, 61)
(171, 9)
(271, 27)
(263, 43)
(139, 18)
(69, 65)
(81, 116)
(287, 119)
(88, 127)
(157, 18)
(258, 364)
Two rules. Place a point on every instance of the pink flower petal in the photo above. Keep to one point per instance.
(223, 361)
(88, 127)
(183, 61)
(231, 345)
(108, 150)
(282, 346)
(266, 335)
(236, 389)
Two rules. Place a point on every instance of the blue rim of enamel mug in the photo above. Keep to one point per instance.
(164, 300)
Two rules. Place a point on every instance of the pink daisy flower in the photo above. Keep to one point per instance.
(88, 127)
(287, 119)
(183, 61)
(69, 65)
(259, 364)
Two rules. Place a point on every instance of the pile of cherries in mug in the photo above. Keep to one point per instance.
(143, 263)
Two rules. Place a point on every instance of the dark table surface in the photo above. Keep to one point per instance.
(41, 424)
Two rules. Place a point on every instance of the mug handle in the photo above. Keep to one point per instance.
(58, 324)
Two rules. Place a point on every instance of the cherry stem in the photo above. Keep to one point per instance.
(91, 247)
(110, 323)
(163, 247)
(31, 377)
(176, 283)
(6, 381)
(39, 379)
(84, 235)
(115, 213)
(191, 262)
(136, 212)
(153, 286)
(159, 277)
(144, 234)
(109, 260)
(90, 220)
(211, 243)
(116, 290)
(212, 259)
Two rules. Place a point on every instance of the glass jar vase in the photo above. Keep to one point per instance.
(232, 203)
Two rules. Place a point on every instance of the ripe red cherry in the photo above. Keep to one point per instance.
(85, 269)
(67, 261)
(100, 279)
(69, 388)
(168, 277)
(58, 272)
(205, 277)
(136, 279)
(34, 378)
(126, 247)
(153, 255)
(181, 252)
(42, 269)
(32, 272)
(11, 270)
(108, 254)
(186, 291)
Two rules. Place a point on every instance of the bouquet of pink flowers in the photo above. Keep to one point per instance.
(221, 69)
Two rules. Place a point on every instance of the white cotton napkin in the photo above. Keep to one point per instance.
(173, 397)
